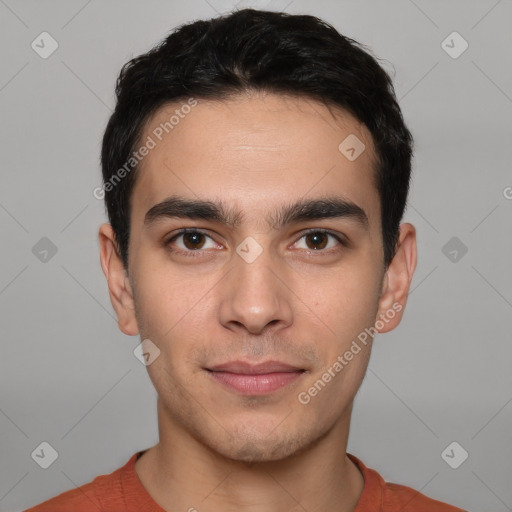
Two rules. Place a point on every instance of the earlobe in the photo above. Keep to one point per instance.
(397, 281)
(119, 288)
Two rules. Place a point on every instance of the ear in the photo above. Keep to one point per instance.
(397, 281)
(119, 288)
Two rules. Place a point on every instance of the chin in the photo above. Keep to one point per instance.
(253, 451)
(268, 447)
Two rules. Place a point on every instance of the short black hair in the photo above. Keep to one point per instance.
(254, 50)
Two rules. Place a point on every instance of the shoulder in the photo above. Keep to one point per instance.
(80, 499)
(103, 493)
(406, 499)
(383, 496)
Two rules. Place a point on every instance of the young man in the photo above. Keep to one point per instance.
(256, 170)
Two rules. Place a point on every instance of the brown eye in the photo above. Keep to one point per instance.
(317, 240)
(193, 240)
(190, 243)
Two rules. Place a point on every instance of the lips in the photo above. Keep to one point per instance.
(251, 369)
(255, 379)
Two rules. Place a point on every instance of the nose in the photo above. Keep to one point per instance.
(255, 295)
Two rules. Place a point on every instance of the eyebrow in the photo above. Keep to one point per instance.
(302, 210)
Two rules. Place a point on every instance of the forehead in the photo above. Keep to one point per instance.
(255, 152)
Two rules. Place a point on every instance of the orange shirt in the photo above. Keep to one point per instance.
(122, 491)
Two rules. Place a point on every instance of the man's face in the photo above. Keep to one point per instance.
(264, 288)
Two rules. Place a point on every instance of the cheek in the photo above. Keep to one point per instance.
(154, 306)
(346, 301)
(165, 299)
(174, 311)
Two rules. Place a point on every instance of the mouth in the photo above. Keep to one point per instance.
(255, 379)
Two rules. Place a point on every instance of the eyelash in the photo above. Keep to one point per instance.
(197, 253)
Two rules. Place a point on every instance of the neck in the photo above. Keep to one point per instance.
(181, 473)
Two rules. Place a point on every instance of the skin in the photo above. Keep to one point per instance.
(296, 303)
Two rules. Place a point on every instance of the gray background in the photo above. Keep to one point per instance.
(69, 376)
